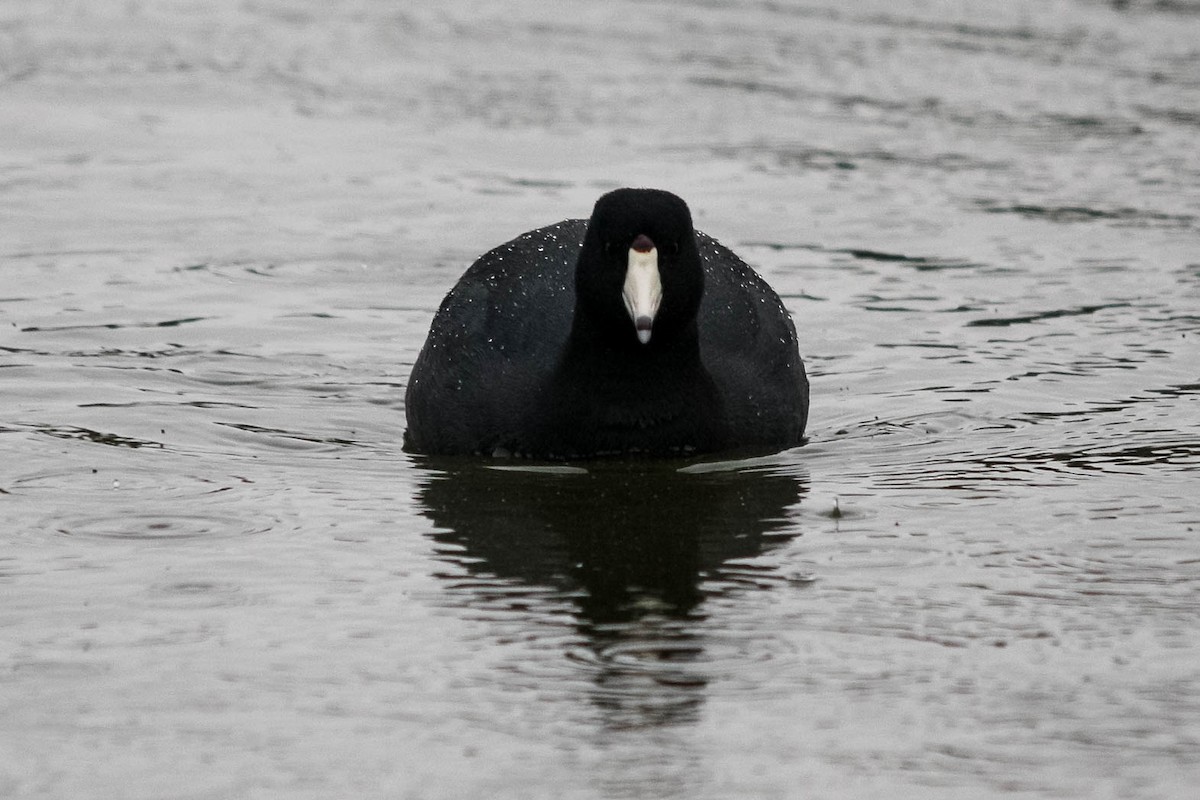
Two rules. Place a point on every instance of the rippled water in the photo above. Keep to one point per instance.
(226, 228)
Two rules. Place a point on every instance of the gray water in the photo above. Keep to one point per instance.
(224, 228)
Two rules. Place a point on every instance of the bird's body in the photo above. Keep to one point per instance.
(628, 333)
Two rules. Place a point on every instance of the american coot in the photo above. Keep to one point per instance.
(627, 333)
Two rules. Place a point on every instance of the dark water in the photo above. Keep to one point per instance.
(226, 226)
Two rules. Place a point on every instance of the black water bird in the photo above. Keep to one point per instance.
(629, 333)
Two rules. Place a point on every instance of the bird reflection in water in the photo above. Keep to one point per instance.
(633, 549)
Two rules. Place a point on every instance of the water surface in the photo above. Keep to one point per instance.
(227, 228)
